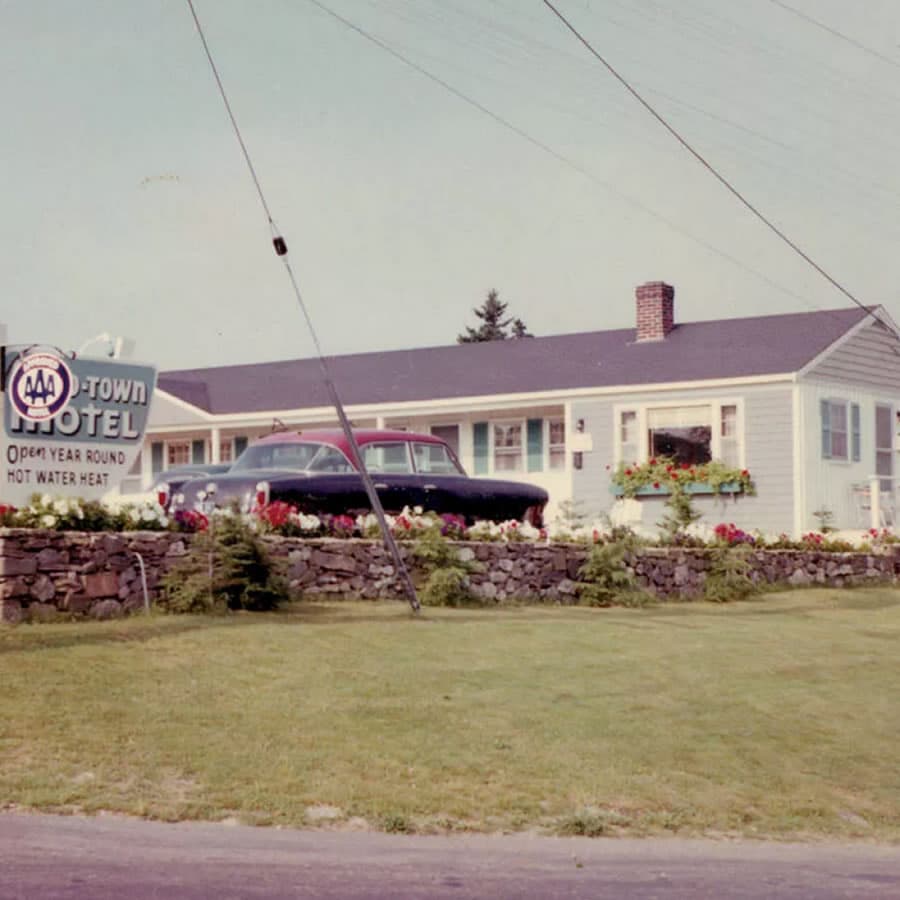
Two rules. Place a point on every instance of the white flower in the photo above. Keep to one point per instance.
(46, 500)
(61, 506)
(48, 521)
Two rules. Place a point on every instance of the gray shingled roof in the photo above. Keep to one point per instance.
(725, 348)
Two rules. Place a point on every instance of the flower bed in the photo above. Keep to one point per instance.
(661, 475)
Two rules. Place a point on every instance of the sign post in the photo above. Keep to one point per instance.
(71, 427)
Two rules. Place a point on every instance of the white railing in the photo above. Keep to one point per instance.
(871, 498)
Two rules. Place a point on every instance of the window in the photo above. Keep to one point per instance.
(628, 436)
(387, 457)
(289, 455)
(330, 459)
(683, 433)
(507, 446)
(884, 450)
(557, 443)
(691, 434)
(434, 459)
(178, 453)
(835, 432)
(226, 451)
(728, 436)
(519, 445)
(449, 434)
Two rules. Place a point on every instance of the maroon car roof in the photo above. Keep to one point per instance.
(335, 437)
(696, 351)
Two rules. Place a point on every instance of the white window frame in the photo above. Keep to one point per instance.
(229, 443)
(523, 445)
(561, 419)
(170, 446)
(715, 404)
(848, 457)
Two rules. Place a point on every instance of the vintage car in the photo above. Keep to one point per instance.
(312, 470)
(167, 483)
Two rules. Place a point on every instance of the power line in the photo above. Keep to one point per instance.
(838, 34)
(546, 148)
(281, 250)
(708, 166)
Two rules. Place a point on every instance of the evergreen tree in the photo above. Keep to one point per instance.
(520, 329)
(494, 323)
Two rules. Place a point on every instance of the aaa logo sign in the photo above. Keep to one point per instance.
(40, 387)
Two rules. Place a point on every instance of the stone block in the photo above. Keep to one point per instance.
(43, 589)
(12, 565)
(48, 559)
(337, 562)
(106, 609)
(101, 584)
(76, 602)
(10, 548)
(113, 543)
(13, 587)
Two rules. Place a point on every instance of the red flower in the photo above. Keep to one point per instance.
(656, 484)
(628, 471)
(653, 461)
(745, 473)
(685, 465)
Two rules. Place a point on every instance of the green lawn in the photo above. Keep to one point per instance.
(776, 717)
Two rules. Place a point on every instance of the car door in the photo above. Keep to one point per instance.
(443, 485)
(390, 465)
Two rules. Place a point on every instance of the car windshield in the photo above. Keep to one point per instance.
(294, 455)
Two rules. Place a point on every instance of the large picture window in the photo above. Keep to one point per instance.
(683, 433)
(691, 434)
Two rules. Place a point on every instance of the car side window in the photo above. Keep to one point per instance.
(387, 457)
(433, 459)
(329, 459)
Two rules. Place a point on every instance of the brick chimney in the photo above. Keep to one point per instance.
(655, 310)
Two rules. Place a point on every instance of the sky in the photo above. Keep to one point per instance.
(127, 207)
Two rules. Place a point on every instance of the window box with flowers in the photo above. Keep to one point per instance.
(661, 476)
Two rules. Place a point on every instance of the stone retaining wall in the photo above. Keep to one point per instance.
(47, 573)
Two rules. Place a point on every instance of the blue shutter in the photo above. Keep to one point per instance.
(240, 445)
(480, 443)
(855, 433)
(826, 428)
(535, 436)
(156, 457)
(198, 451)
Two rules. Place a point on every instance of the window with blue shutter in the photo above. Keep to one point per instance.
(855, 433)
(156, 457)
(198, 451)
(480, 444)
(535, 444)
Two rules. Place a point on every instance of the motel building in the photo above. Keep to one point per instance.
(806, 401)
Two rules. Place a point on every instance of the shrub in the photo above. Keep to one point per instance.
(227, 568)
(606, 580)
(447, 576)
(728, 577)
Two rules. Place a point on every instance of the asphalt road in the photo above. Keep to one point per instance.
(111, 858)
